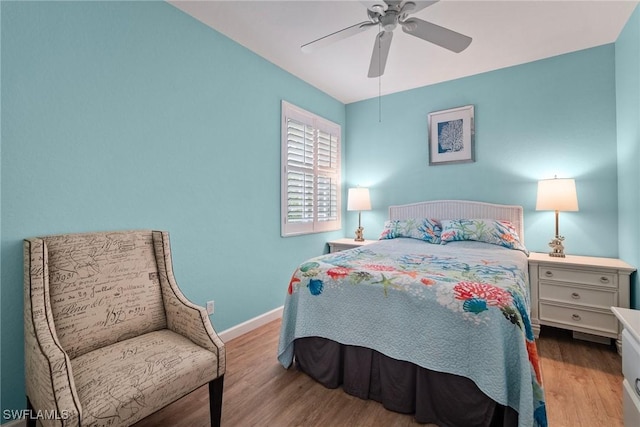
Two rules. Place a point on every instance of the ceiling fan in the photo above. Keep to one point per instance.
(387, 14)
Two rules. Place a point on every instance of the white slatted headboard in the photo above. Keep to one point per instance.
(459, 209)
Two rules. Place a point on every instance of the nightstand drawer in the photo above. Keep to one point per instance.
(631, 361)
(630, 364)
(576, 317)
(582, 286)
(630, 404)
(576, 295)
(339, 248)
(578, 276)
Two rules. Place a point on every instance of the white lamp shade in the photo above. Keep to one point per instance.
(557, 194)
(358, 199)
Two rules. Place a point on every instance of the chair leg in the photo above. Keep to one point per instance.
(31, 421)
(215, 400)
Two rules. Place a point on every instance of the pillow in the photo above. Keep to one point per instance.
(501, 233)
(416, 228)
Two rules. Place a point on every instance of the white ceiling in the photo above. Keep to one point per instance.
(505, 33)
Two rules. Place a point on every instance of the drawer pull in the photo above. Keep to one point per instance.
(638, 386)
(575, 295)
(604, 279)
(548, 273)
(576, 317)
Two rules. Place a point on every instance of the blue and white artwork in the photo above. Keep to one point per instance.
(450, 136)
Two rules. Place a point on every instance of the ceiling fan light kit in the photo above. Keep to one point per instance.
(386, 16)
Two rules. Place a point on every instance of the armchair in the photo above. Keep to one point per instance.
(109, 336)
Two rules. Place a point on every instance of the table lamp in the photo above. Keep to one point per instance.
(358, 200)
(557, 194)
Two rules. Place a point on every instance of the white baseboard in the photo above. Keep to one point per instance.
(251, 324)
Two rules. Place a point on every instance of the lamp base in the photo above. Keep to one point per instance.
(359, 237)
(557, 248)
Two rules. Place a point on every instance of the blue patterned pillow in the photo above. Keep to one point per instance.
(416, 228)
(501, 233)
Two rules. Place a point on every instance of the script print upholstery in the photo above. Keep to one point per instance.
(109, 337)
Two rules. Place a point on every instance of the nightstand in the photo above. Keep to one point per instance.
(630, 320)
(343, 244)
(577, 293)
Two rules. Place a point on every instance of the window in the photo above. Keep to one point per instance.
(311, 195)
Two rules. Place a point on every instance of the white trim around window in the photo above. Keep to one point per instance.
(311, 193)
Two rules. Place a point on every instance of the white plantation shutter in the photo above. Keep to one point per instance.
(311, 172)
(300, 178)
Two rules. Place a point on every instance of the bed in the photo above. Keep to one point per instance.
(431, 320)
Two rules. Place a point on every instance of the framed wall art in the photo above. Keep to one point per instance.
(451, 136)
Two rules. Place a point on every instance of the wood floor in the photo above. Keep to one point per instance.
(582, 384)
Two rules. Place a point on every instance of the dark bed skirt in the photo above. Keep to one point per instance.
(433, 397)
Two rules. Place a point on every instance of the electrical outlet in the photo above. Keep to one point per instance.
(210, 307)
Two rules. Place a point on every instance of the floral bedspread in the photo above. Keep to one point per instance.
(460, 308)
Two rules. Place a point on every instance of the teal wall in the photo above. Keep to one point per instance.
(2, 407)
(134, 115)
(121, 115)
(532, 121)
(628, 131)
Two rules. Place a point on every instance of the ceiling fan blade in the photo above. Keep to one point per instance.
(436, 34)
(380, 53)
(337, 36)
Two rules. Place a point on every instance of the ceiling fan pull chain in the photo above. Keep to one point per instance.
(379, 77)
(379, 99)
